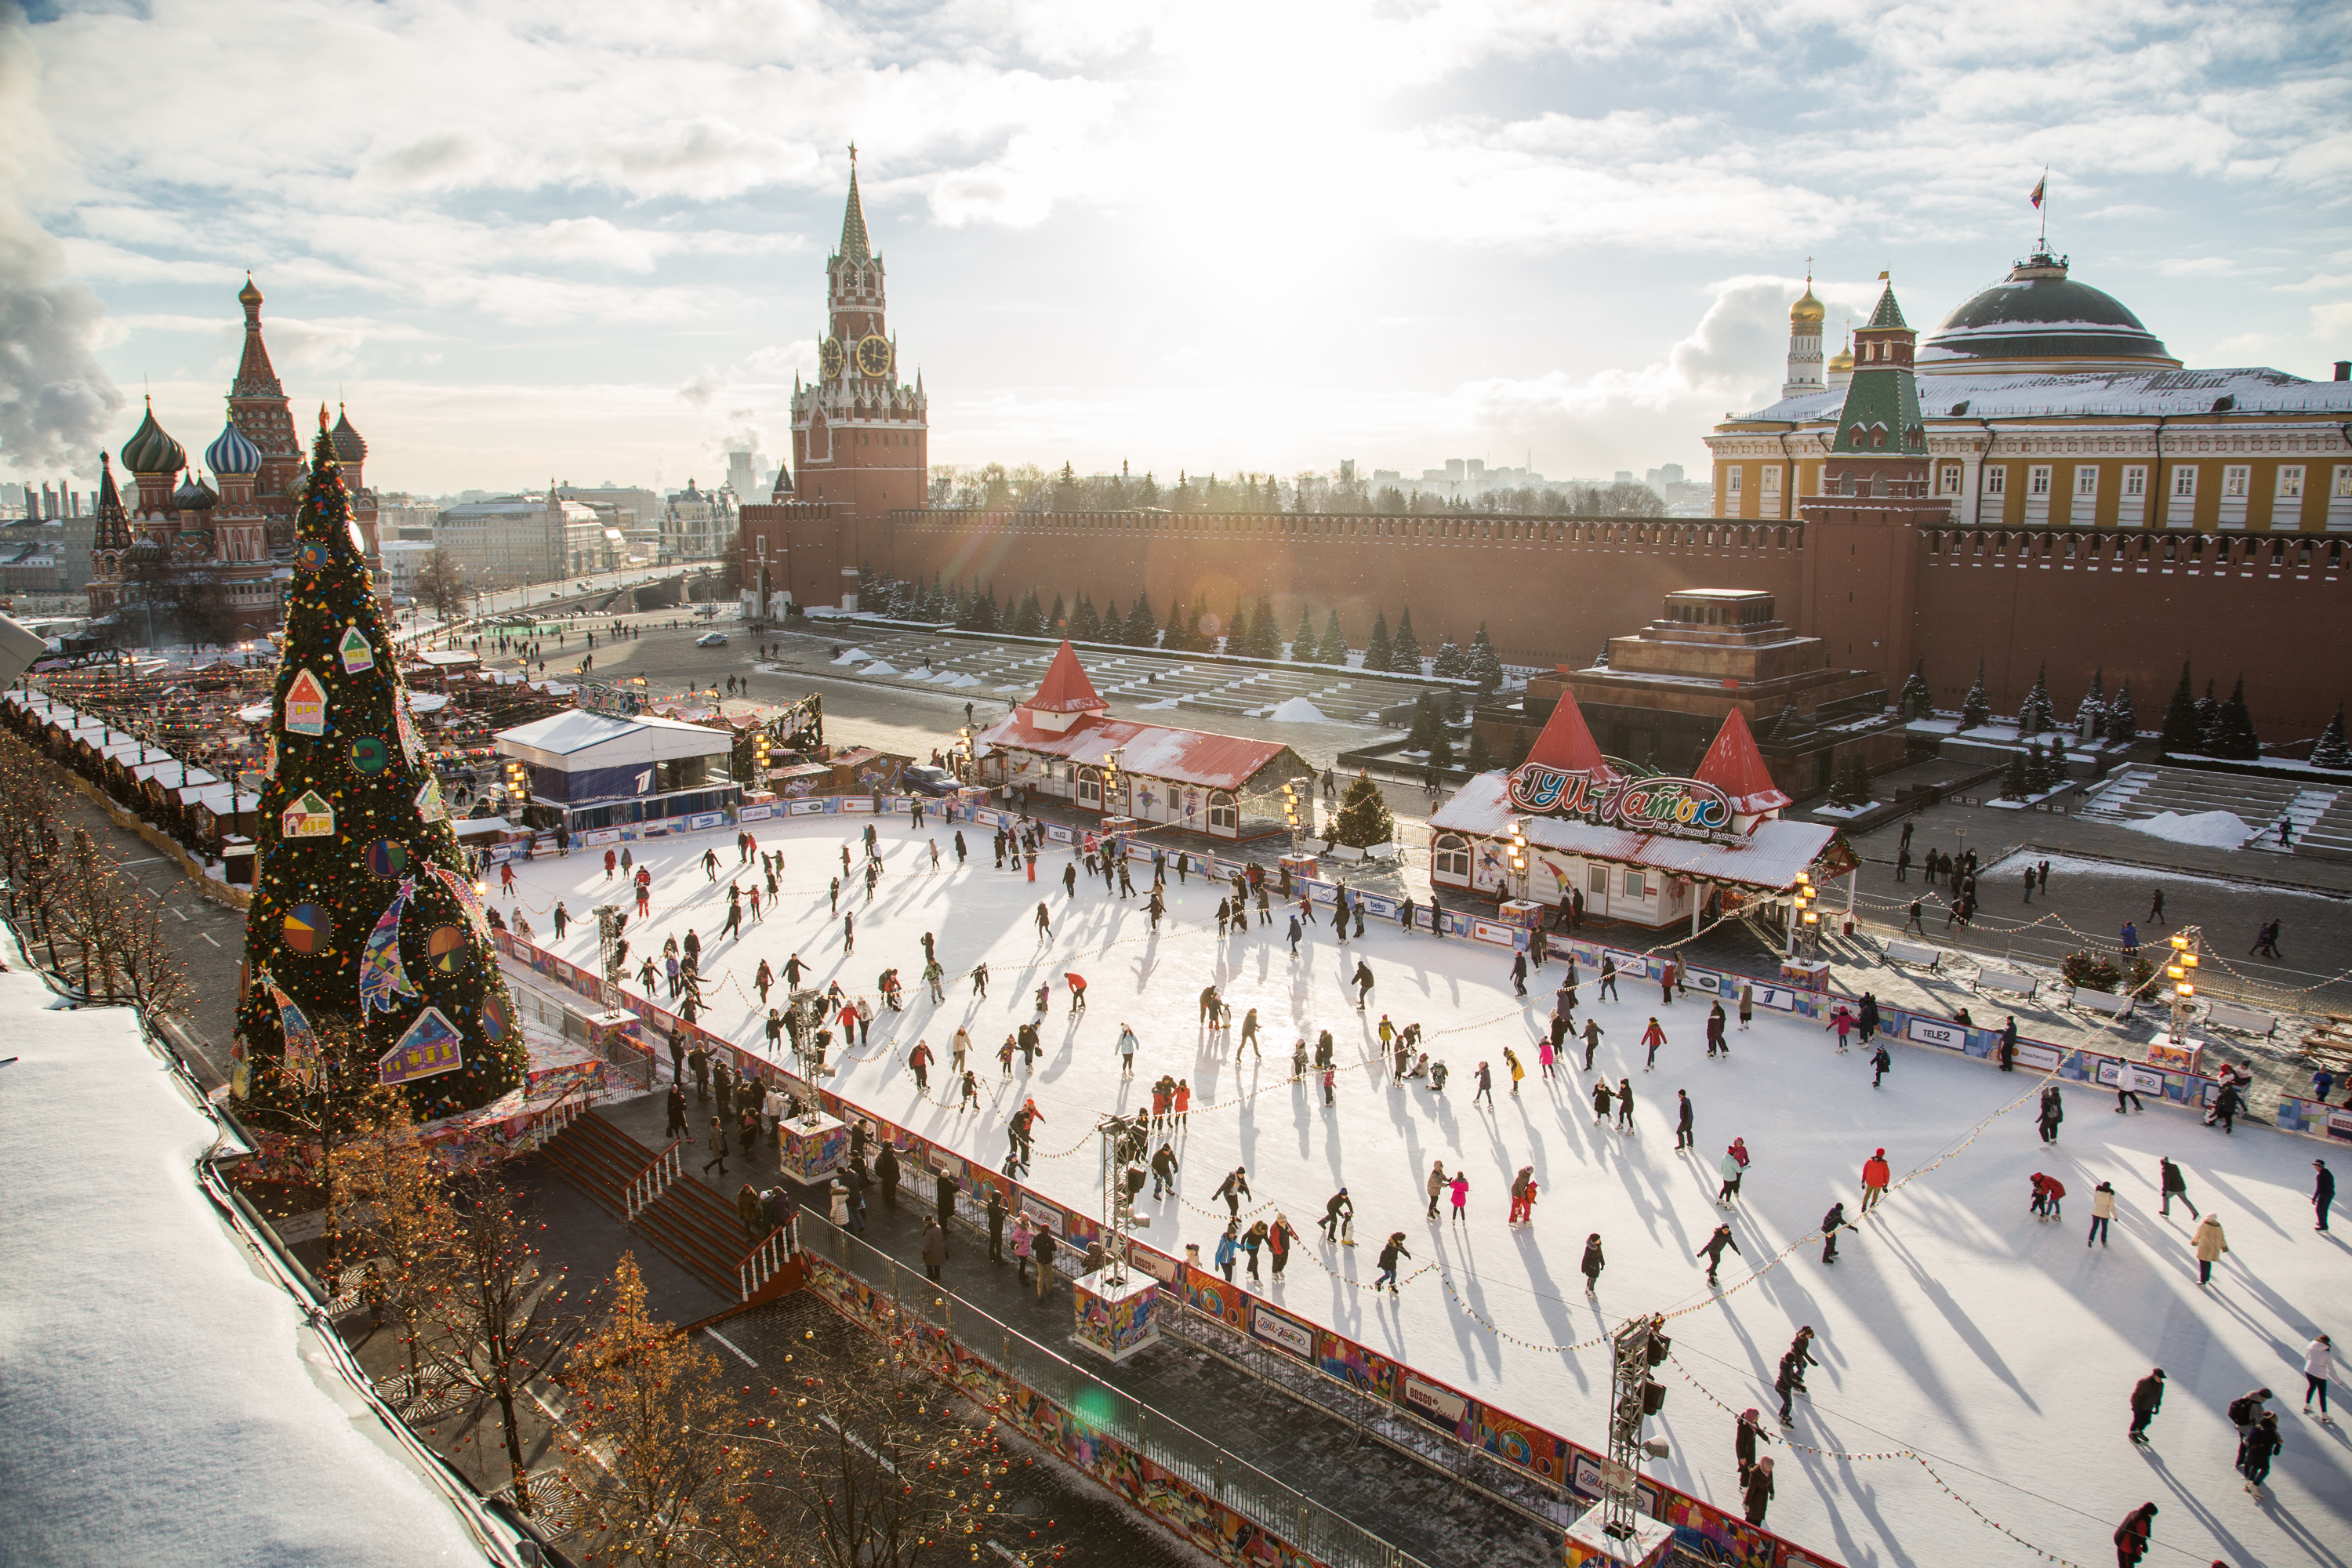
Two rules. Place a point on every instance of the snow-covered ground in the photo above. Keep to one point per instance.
(2213, 829)
(2000, 1349)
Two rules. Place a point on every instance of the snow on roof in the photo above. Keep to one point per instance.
(164, 1401)
(1567, 740)
(1735, 766)
(1149, 751)
(2257, 389)
(575, 730)
(1066, 688)
(1770, 858)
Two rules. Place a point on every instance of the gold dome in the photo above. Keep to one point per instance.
(1842, 359)
(1807, 309)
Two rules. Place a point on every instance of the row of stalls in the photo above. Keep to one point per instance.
(1646, 849)
(1061, 745)
(197, 807)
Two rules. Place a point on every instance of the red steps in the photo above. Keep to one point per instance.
(691, 1225)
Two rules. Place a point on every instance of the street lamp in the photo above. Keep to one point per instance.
(1298, 811)
(2180, 969)
(1518, 857)
(1110, 783)
(1805, 919)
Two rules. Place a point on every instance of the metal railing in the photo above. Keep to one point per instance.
(1280, 1511)
(556, 1117)
(653, 1180)
(765, 1261)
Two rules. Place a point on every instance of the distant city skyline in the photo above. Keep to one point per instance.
(1545, 235)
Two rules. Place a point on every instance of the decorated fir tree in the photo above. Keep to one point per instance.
(367, 948)
(1363, 820)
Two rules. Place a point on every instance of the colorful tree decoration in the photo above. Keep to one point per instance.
(360, 873)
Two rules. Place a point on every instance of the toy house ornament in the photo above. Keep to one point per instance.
(355, 652)
(431, 1046)
(310, 816)
(306, 704)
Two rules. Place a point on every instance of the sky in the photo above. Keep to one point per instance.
(586, 242)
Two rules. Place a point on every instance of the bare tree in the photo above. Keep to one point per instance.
(410, 1228)
(495, 1320)
(440, 584)
(650, 1406)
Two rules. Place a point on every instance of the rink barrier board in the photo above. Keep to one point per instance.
(1714, 1535)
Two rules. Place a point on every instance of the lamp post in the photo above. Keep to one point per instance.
(1298, 811)
(2180, 969)
(1517, 858)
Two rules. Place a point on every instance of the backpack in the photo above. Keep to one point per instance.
(2244, 1408)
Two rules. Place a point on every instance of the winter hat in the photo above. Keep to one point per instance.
(1879, 1154)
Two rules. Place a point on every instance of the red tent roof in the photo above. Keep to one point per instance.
(1566, 742)
(1066, 688)
(1735, 767)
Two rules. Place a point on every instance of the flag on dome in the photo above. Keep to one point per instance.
(2040, 186)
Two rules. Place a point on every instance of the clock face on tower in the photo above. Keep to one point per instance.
(829, 356)
(874, 355)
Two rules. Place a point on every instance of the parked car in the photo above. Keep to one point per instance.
(929, 781)
(711, 639)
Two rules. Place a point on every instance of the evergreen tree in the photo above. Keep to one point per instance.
(2090, 718)
(1172, 636)
(1333, 649)
(1916, 701)
(2123, 721)
(1054, 618)
(2209, 720)
(365, 928)
(985, 616)
(1237, 631)
(1143, 623)
(1363, 819)
(1303, 649)
(1441, 750)
(1028, 620)
(1521, 744)
(1265, 636)
(2057, 758)
(1456, 710)
(1404, 653)
(1849, 786)
(2233, 728)
(1376, 651)
(2180, 728)
(1485, 665)
(2037, 768)
(1428, 725)
(1481, 761)
(1448, 664)
(2014, 783)
(1976, 708)
(2330, 751)
(1085, 625)
(2036, 714)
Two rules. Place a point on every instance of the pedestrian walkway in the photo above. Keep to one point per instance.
(1405, 1502)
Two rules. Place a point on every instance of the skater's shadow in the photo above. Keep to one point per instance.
(2244, 1205)
(1963, 1328)
(2188, 1499)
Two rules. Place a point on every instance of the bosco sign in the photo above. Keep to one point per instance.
(1644, 804)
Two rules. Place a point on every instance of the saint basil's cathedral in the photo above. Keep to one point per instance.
(235, 531)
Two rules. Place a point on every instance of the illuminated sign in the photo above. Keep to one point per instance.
(611, 702)
(1657, 805)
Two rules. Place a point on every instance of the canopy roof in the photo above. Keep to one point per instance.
(1767, 859)
(1066, 688)
(1567, 740)
(1735, 766)
(1147, 750)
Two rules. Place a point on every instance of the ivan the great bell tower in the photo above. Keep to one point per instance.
(860, 434)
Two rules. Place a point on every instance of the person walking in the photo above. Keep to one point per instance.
(1744, 1440)
(2102, 1211)
(1875, 1175)
(1684, 1138)
(935, 1246)
(2257, 1448)
(718, 1149)
(675, 1103)
(995, 1215)
(1023, 1241)
(2132, 1535)
(2209, 1244)
(1041, 1247)
(2323, 1192)
(2318, 1366)
(1712, 1250)
(2146, 1399)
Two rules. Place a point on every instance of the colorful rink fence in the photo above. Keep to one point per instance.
(1571, 1468)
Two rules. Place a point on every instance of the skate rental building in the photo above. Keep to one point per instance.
(1061, 744)
(1648, 849)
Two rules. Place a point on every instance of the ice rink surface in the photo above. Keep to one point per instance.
(1999, 1349)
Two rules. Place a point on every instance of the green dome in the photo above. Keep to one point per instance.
(150, 451)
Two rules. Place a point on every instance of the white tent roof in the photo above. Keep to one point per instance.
(164, 1400)
(580, 739)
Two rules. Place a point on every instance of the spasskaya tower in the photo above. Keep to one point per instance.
(860, 434)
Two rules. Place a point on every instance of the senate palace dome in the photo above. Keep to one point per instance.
(2039, 317)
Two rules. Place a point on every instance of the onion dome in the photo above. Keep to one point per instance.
(1807, 310)
(248, 296)
(2039, 313)
(1844, 359)
(349, 448)
(231, 453)
(193, 495)
(150, 451)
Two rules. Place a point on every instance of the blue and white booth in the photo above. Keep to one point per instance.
(612, 776)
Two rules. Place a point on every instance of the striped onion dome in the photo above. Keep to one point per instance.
(231, 453)
(150, 451)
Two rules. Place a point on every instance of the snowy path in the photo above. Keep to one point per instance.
(1953, 1323)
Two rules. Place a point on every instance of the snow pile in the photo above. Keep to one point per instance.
(2214, 829)
(1298, 711)
(959, 680)
(853, 656)
(880, 668)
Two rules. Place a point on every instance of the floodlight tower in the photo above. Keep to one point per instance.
(1123, 1140)
(1615, 1531)
(2180, 969)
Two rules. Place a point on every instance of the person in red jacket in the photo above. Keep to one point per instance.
(1874, 1178)
(2132, 1535)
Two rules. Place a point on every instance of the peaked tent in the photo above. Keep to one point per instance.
(1735, 766)
(1066, 688)
(1567, 742)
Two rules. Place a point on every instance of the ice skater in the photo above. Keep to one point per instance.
(1653, 1036)
(1713, 1250)
(1594, 1263)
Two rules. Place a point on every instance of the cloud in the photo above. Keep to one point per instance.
(56, 402)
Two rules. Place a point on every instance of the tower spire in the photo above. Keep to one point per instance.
(855, 246)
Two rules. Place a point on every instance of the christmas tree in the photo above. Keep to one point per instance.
(1484, 665)
(1404, 653)
(2330, 751)
(1363, 820)
(365, 924)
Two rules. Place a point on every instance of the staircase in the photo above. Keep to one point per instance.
(2259, 802)
(647, 1190)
